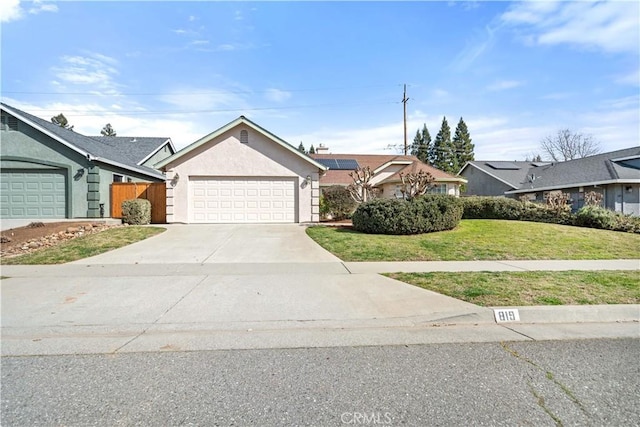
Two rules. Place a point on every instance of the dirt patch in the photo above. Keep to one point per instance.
(38, 235)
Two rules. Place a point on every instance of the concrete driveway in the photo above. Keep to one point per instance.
(200, 287)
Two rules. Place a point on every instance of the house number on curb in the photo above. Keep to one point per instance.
(506, 315)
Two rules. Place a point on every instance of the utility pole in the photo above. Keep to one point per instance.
(404, 102)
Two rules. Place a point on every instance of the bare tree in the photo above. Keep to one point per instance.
(360, 189)
(568, 145)
(415, 184)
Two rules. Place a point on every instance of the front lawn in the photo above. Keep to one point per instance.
(491, 289)
(479, 239)
(86, 246)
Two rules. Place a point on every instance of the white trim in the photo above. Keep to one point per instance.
(391, 163)
(621, 159)
(229, 126)
(158, 149)
(571, 185)
(75, 148)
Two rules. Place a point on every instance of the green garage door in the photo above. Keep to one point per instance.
(32, 194)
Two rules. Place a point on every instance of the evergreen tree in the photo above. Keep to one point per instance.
(443, 153)
(61, 121)
(312, 150)
(108, 130)
(301, 148)
(462, 145)
(421, 147)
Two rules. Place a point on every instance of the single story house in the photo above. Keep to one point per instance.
(494, 178)
(242, 173)
(50, 172)
(386, 169)
(616, 175)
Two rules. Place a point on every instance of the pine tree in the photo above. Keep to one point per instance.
(443, 153)
(61, 121)
(421, 146)
(462, 145)
(312, 150)
(108, 130)
(301, 148)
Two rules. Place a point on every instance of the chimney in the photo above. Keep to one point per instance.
(322, 149)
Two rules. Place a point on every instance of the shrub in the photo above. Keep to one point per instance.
(599, 217)
(338, 202)
(428, 213)
(478, 207)
(136, 211)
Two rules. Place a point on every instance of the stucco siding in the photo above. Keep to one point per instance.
(226, 156)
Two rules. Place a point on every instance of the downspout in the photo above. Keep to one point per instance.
(622, 198)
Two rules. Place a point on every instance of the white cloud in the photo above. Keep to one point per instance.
(93, 69)
(611, 26)
(10, 10)
(205, 100)
(504, 85)
(40, 6)
(632, 78)
(277, 95)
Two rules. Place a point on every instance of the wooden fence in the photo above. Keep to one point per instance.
(155, 192)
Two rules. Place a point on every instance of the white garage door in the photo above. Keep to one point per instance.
(248, 200)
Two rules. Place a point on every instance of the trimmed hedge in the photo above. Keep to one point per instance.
(424, 214)
(136, 211)
(478, 207)
(599, 217)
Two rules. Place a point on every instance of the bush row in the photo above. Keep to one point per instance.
(424, 214)
(477, 207)
(336, 202)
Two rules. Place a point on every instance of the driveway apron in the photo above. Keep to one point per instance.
(200, 287)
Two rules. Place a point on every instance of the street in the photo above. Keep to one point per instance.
(532, 383)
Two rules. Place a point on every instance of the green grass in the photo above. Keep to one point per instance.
(481, 240)
(492, 289)
(86, 246)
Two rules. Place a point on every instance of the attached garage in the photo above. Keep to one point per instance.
(242, 200)
(242, 173)
(33, 194)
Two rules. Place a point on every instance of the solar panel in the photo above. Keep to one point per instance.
(503, 165)
(339, 164)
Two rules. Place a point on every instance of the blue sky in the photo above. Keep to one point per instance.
(331, 72)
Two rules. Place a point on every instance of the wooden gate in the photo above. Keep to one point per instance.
(155, 192)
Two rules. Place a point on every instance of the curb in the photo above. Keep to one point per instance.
(613, 313)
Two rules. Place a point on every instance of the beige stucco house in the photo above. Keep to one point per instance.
(242, 173)
(386, 169)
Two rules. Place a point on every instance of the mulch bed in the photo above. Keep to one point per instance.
(38, 235)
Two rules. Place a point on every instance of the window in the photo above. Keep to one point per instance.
(244, 137)
(398, 193)
(439, 189)
(118, 178)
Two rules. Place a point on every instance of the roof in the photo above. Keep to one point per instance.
(511, 173)
(105, 151)
(139, 149)
(377, 163)
(620, 166)
(240, 120)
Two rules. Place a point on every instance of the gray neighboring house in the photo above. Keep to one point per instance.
(615, 175)
(48, 172)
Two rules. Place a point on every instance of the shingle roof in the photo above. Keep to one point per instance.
(375, 161)
(135, 147)
(511, 173)
(106, 151)
(591, 170)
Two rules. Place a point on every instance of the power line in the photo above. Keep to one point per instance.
(224, 110)
(217, 92)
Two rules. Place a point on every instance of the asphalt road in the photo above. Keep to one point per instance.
(582, 382)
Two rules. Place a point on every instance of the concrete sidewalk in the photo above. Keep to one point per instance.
(506, 265)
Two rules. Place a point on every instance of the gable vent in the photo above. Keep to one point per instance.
(244, 137)
(9, 122)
